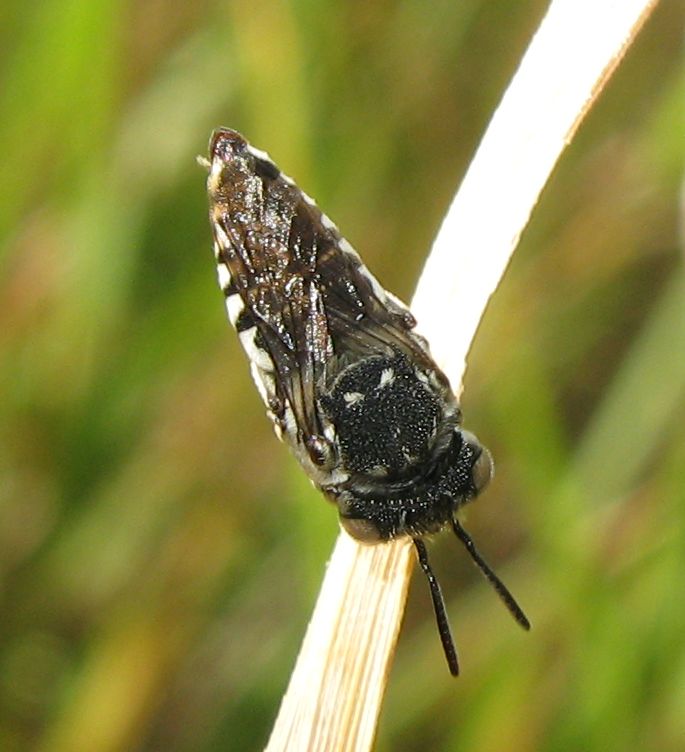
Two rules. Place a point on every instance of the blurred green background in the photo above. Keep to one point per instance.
(160, 552)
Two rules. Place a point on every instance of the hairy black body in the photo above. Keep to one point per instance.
(348, 383)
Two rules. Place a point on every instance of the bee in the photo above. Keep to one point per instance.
(348, 383)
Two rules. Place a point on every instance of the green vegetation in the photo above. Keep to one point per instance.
(160, 552)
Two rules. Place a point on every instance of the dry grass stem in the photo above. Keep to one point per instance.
(336, 689)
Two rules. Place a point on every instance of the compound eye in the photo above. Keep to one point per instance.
(483, 470)
(360, 529)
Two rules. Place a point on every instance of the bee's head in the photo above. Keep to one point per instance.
(374, 510)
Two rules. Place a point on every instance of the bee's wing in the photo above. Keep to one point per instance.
(302, 301)
(363, 318)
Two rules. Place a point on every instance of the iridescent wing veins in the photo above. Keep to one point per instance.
(299, 296)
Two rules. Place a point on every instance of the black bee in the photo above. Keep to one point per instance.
(348, 383)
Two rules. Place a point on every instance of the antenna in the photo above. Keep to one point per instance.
(500, 588)
(439, 608)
